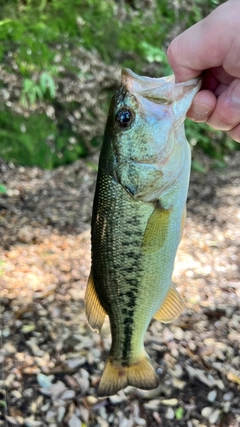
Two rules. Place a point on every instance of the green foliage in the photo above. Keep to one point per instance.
(179, 413)
(37, 140)
(47, 85)
(198, 166)
(32, 28)
(3, 189)
(213, 142)
(131, 33)
(153, 53)
(32, 91)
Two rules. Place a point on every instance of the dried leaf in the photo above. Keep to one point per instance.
(231, 376)
(68, 394)
(26, 329)
(169, 402)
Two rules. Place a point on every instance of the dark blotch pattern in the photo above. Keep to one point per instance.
(117, 234)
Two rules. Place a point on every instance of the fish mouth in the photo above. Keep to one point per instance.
(161, 90)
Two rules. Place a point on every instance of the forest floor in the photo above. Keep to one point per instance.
(51, 362)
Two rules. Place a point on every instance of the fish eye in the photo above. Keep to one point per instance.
(124, 117)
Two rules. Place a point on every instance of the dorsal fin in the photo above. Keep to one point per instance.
(94, 310)
(171, 308)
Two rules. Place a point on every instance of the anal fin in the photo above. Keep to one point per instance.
(172, 307)
(94, 310)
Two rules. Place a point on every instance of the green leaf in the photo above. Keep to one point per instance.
(47, 84)
(153, 53)
(179, 413)
(219, 164)
(198, 166)
(3, 189)
(26, 329)
(38, 92)
(5, 22)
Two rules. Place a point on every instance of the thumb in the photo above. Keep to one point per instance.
(206, 45)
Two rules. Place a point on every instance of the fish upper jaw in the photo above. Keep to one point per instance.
(161, 90)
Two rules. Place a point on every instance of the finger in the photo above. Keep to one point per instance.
(226, 115)
(209, 81)
(212, 78)
(220, 89)
(202, 107)
(235, 133)
(221, 75)
(205, 45)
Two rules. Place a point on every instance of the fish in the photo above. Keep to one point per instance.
(139, 212)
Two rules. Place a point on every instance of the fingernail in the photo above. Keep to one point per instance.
(201, 109)
(199, 112)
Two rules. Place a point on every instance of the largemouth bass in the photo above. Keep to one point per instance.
(137, 222)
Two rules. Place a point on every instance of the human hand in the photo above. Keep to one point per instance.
(212, 48)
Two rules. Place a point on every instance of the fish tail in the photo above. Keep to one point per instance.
(116, 376)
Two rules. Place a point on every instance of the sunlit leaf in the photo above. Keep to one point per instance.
(47, 84)
(3, 189)
(179, 413)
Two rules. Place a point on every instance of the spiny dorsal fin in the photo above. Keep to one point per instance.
(94, 310)
(156, 230)
(172, 307)
(116, 377)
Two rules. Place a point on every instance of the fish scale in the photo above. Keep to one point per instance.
(137, 222)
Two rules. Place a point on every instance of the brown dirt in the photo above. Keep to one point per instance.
(50, 361)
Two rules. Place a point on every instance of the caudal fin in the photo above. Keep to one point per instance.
(116, 377)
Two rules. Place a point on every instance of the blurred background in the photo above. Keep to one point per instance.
(61, 62)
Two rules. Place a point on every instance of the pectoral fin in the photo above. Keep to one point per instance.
(156, 230)
(172, 307)
(94, 310)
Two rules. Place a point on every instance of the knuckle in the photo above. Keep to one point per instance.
(226, 113)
